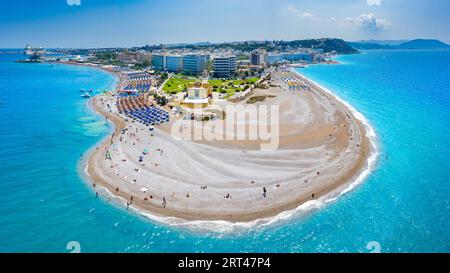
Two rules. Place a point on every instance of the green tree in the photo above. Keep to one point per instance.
(209, 66)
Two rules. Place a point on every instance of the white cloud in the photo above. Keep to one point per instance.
(305, 15)
(367, 21)
(292, 9)
(348, 21)
(73, 2)
(373, 2)
(371, 22)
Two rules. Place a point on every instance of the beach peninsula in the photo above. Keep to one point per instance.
(322, 148)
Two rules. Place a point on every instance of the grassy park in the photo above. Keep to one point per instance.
(229, 87)
(175, 85)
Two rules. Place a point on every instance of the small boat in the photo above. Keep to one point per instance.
(86, 95)
(90, 91)
(82, 91)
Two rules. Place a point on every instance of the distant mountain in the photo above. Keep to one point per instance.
(413, 44)
(365, 46)
(327, 44)
(202, 43)
(382, 42)
(424, 44)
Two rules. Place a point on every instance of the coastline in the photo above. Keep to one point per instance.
(373, 155)
(301, 205)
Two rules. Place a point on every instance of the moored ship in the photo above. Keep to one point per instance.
(29, 50)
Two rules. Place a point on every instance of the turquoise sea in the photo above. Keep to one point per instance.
(404, 206)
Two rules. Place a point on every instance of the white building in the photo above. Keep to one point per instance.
(225, 66)
(134, 56)
(258, 57)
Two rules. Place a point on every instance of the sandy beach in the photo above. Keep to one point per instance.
(322, 148)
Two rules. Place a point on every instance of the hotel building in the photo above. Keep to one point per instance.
(225, 66)
(174, 63)
(134, 56)
(274, 58)
(301, 56)
(159, 61)
(258, 57)
(195, 64)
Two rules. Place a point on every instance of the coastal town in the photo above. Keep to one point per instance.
(169, 72)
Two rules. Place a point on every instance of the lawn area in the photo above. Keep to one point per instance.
(176, 85)
(231, 86)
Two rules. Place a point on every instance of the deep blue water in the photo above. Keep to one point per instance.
(404, 205)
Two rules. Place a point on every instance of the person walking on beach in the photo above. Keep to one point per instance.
(264, 192)
(164, 203)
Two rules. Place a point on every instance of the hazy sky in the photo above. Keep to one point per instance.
(105, 23)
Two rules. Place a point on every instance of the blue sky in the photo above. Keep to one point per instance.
(105, 23)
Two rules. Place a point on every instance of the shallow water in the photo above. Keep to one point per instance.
(404, 205)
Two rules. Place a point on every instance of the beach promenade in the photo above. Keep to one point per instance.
(322, 149)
